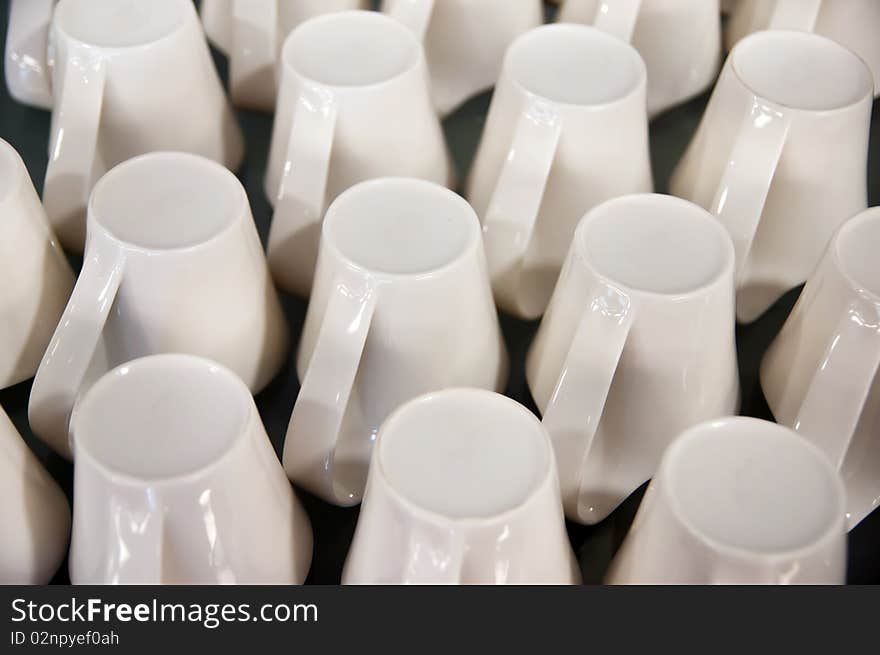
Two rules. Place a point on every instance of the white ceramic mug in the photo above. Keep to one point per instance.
(401, 306)
(353, 105)
(129, 77)
(852, 23)
(737, 501)
(462, 490)
(36, 277)
(820, 375)
(176, 482)
(780, 157)
(465, 41)
(173, 263)
(637, 345)
(34, 513)
(251, 33)
(26, 57)
(680, 41)
(566, 130)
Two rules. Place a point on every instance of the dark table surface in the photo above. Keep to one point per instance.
(27, 129)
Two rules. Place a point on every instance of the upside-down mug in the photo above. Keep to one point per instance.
(34, 511)
(637, 344)
(176, 482)
(36, 277)
(462, 490)
(566, 130)
(129, 77)
(680, 41)
(852, 23)
(251, 33)
(464, 40)
(737, 501)
(353, 105)
(780, 157)
(820, 375)
(173, 263)
(401, 306)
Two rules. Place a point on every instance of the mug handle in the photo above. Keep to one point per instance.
(253, 52)
(841, 384)
(315, 425)
(300, 204)
(516, 200)
(73, 146)
(745, 183)
(70, 352)
(415, 14)
(575, 407)
(617, 18)
(800, 15)
(27, 72)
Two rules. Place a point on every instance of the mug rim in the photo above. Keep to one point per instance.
(438, 518)
(57, 26)
(111, 377)
(361, 15)
(867, 94)
(836, 525)
(92, 215)
(639, 85)
(472, 242)
(867, 215)
(722, 271)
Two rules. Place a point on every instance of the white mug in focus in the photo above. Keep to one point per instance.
(401, 306)
(780, 157)
(176, 482)
(637, 344)
(462, 490)
(173, 263)
(566, 130)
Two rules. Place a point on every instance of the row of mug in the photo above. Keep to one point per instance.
(566, 131)
(636, 346)
(176, 482)
(465, 40)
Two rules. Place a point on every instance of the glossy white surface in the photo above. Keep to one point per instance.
(462, 490)
(251, 34)
(558, 141)
(395, 312)
(26, 64)
(716, 513)
(176, 482)
(852, 23)
(820, 375)
(36, 277)
(780, 156)
(34, 514)
(680, 41)
(637, 345)
(173, 264)
(134, 80)
(465, 41)
(353, 106)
